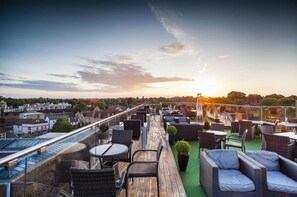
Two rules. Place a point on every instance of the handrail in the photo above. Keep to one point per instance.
(7, 159)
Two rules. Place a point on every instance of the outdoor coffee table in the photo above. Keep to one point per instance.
(108, 152)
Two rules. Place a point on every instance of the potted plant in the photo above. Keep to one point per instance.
(183, 149)
(103, 131)
(171, 131)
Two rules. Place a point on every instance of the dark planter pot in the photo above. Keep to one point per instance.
(104, 135)
(206, 125)
(171, 139)
(183, 162)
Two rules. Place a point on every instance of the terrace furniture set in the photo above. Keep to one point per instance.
(255, 173)
(106, 181)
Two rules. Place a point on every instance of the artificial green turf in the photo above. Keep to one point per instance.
(190, 177)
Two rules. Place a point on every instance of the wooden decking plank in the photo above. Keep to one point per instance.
(170, 181)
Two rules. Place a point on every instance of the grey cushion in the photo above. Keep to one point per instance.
(266, 158)
(234, 180)
(169, 118)
(277, 181)
(182, 119)
(225, 159)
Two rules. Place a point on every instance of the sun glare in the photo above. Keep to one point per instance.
(208, 87)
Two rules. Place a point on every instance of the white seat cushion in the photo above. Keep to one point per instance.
(277, 181)
(234, 180)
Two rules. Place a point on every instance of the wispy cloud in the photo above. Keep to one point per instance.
(44, 85)
(164, 16)
(63, 75)
(175, 48)
(121, 76)
(183, 45)
(6, 77)
(224, 56)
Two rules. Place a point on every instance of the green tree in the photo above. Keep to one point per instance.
(269, 102)
(236, 95)
(101, 104)
(80, 107)
(62, 125)
(287, 101)
(276, 96)
(254, 99)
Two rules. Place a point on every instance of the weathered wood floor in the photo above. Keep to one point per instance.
(170, 182)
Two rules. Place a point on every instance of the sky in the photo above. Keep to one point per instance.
(153, 48)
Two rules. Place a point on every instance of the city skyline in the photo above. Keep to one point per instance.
(100, 49)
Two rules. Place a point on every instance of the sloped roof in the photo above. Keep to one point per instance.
(14, 144)
(55, 117)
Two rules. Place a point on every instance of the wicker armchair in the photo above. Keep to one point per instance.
(123, 137)
(236, 141)
(280, 144)
(286, 167)
(209, 177)
(208, 141)
(217, 126)
(94, 182)
(145, 168)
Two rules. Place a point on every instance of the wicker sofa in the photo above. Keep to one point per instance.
(187, 131)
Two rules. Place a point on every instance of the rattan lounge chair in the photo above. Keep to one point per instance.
(94, 182)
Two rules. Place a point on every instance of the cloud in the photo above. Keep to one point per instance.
(63, 75)
(121, 76)
(6, 77)
(44, 85)
(175, 48)
(165, 18)
(224, 56)
(184, 41)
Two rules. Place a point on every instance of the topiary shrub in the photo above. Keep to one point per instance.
(171, 130)
(103, 128)
(183, 147)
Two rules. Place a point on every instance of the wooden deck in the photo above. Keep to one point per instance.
(170, 181)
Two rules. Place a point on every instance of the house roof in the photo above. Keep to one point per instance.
(55, 117)
(16, 144)
(29, 121)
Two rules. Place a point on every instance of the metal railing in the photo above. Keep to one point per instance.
(13, 157)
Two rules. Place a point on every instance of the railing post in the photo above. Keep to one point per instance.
(25, 178)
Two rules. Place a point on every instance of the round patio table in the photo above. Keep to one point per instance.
(111, 151)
